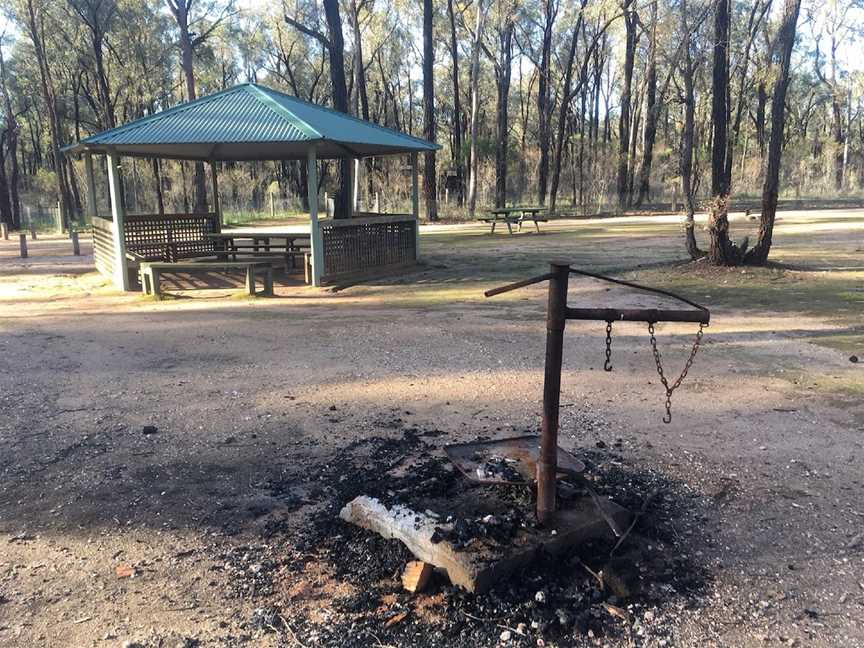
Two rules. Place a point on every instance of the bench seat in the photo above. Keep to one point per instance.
(151, 273)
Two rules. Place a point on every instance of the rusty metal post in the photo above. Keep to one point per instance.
(556, 318)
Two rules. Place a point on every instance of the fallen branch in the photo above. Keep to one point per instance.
(291, 632)
(636, 517)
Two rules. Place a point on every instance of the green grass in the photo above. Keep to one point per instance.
(836, 295)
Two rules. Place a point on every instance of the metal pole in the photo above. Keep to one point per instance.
(556, 318)
(315, 240)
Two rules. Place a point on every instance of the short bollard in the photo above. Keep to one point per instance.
(5, 229)
(22, 238)
(32, 232)
(76, 249)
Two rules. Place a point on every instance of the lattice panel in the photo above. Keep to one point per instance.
(366, 246)
(170, 237)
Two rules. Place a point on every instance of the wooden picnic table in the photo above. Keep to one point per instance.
(228, 242)
(518, 215)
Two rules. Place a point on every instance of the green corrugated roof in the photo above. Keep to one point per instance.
(250, 122)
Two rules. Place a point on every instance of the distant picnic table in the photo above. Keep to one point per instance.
(517, 215)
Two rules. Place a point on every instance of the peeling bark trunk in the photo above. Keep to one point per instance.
(721, 251)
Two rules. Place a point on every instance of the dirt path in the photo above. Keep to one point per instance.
(255, 403)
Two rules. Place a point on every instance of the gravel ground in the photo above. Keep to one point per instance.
(217, 528)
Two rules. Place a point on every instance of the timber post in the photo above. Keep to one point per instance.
(76, 248)
(22, 241)
(118, 230)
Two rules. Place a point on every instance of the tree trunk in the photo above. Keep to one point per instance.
(180, 9)
(475, 107)
(544, 103)
(12, 147)
(564, 110)
(336, 51)
(36, 27)
(651, 110)
(720, 250)
(502, 105)
(757, 12)
(457, 110)
(786, 41)
(361, 95)
(429, 184)
(630, 22)
(686, 162)
(5, 206)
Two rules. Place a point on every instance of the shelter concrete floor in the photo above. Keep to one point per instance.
(767, 430)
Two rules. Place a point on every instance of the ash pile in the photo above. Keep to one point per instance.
(417, 553)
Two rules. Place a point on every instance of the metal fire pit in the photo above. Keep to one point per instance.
(507, 461)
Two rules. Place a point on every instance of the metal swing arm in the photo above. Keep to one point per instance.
(699, 314)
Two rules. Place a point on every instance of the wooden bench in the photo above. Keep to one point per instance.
(243, 253)
(151, 273)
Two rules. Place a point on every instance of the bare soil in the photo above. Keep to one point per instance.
(270, 413)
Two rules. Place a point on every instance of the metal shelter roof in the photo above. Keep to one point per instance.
(249, 122)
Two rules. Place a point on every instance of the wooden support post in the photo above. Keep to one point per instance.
(118, 230)
(217, 204)
(59, 218)
(315, 240)
(22, 241)
(415, 204)
(91, 185)
(32, 231)
(5, 230)
(76, 248)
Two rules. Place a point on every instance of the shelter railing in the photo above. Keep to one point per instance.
(359, 247)
(170, 237)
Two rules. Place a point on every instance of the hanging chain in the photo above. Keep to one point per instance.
(607, 366)
(669, 389)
